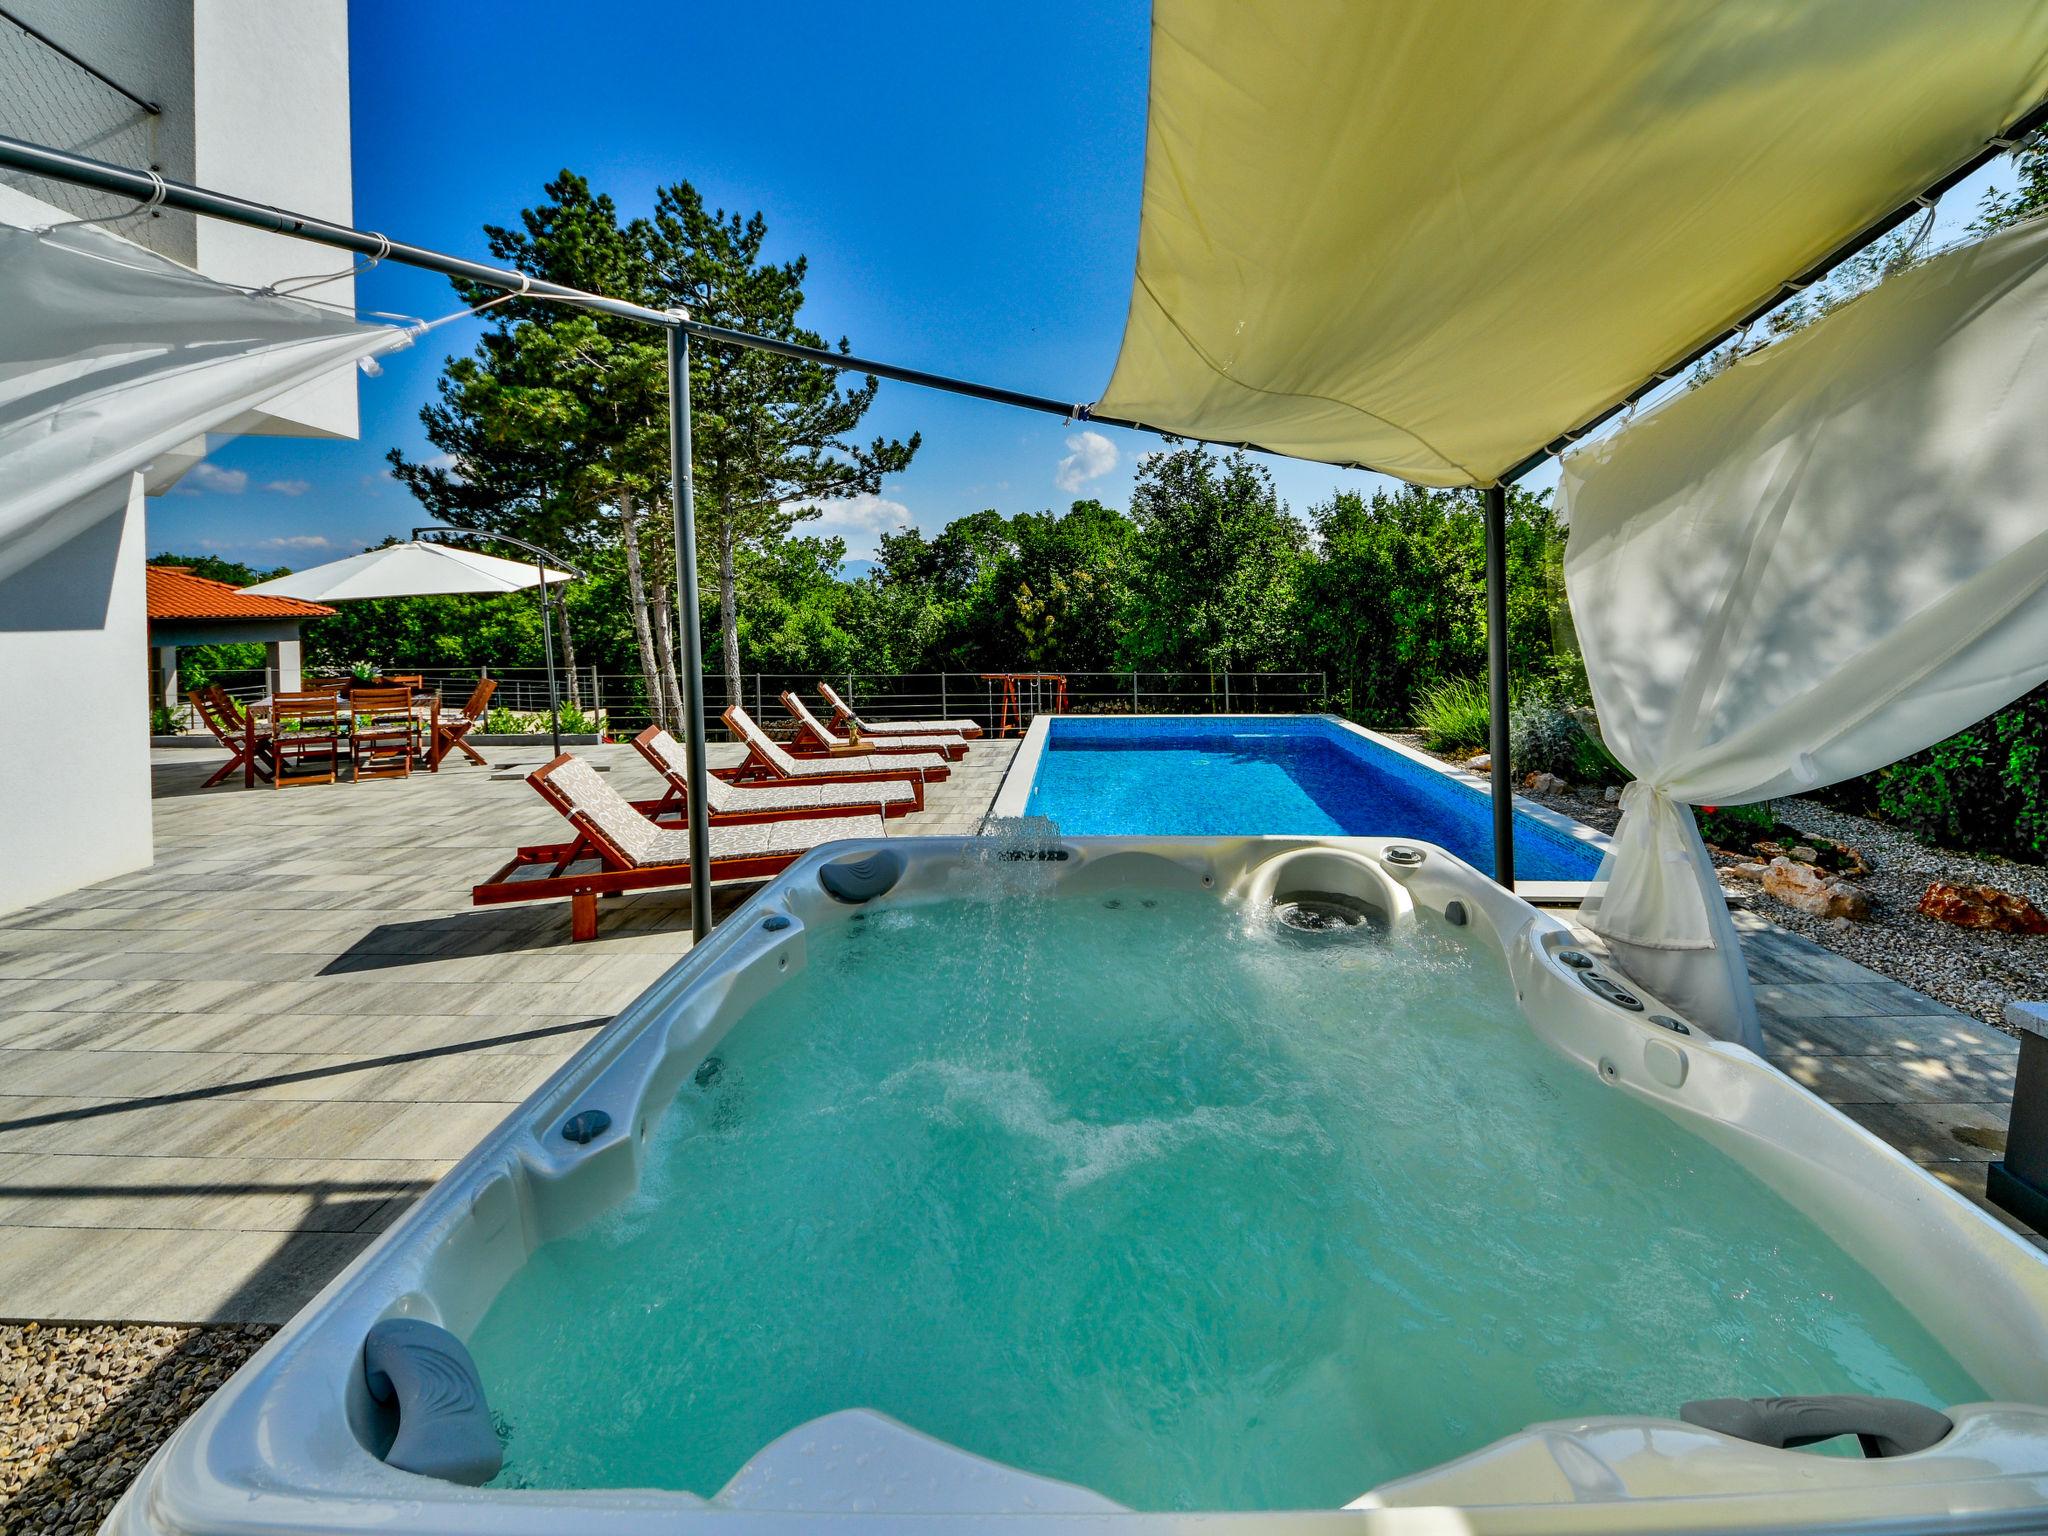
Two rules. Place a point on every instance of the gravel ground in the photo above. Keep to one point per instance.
(1973, 971)
(81, 1409)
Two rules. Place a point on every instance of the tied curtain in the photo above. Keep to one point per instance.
(111, 355)
(1831, 555)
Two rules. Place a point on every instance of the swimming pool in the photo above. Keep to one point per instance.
(1237, 775)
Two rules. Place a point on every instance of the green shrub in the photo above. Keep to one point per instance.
(574, 721)
(1737, 828)
(1592, 763)
(500, 721)
(162, 722)
(1451, 715)
(1984, 789)
(1543, 736)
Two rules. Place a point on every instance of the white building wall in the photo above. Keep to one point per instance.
(254, 98)
(270, 109)
(74, 680)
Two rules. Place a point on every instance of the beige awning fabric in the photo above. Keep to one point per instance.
(1429, 238)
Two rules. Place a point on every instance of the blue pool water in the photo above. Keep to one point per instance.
(1233, 775)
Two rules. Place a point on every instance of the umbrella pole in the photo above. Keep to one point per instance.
(547, 641)
(683, 499)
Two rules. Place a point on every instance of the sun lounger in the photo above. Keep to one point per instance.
(616, 848)
(768, 802)
(842, 712)
(812, 730)
(768, 758)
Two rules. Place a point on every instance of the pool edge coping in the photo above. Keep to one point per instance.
(1015, 793)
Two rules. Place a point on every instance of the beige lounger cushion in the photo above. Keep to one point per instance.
(646, 844)
(824, 733)
(908, 764)
(891, 729)
(899, 727)
(739, 799)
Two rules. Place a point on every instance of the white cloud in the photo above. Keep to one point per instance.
(211, 477)
(301, 541)
(860, 520)
(1091, 456)
(288, 487)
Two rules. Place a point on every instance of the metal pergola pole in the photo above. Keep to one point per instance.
(683, 496)
(1497, 683)
(547, 641)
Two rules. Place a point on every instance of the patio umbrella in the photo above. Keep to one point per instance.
(420, 568)
(413, 569)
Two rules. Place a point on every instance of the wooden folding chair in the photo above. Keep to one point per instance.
(232, 733)
(380, 733)
(449, 729)
(304, 728)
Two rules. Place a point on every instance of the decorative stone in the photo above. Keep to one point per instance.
(1611, 794)
(1806, 853)
(1483, 763)
(1747, 869)
(1806, 889)
(1981, 906)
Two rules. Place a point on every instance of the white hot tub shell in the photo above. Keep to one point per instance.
(287, 1446)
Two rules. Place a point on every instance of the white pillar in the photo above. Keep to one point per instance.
(168, 693)
(282, 659)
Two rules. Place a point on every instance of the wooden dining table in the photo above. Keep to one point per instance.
(426, 707)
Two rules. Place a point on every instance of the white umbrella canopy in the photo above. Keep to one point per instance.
(416, 569)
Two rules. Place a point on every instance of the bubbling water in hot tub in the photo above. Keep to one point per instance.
(1136, 1190)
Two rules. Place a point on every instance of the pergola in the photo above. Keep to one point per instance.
(187, 610)
(1440, 241)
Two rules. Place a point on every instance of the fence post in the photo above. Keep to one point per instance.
(942, 696)
(1134, 690)
(1226, 690)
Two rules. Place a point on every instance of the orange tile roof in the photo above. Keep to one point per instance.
(175, 593)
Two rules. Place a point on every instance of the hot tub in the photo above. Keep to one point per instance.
(1030, 1180)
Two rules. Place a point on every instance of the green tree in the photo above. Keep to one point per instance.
(556, 429)
(1213, 567)
(1396, 602)
(772, 435)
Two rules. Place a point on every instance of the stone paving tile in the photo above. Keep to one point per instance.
(221, 1075)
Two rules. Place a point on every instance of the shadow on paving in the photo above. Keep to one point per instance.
(512, 930)
(309, 1074)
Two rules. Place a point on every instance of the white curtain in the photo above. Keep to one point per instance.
(1830, 556)
(111, 355)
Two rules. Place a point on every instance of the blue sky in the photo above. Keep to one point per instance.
(964, 180)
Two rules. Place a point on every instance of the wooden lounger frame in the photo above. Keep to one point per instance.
(677, 801)
(619, 871)
(758, 767)
(842, 713)
(881, 746)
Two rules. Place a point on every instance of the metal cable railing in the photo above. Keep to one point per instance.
(617, 704)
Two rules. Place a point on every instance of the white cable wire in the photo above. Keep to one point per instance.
(286, 286)
(157, 193)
